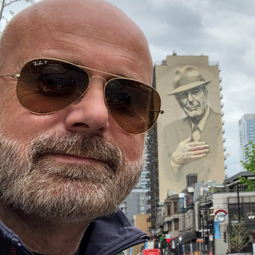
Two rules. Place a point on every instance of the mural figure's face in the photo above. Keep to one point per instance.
(193, 101)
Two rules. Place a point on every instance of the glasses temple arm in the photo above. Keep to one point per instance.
(160, 111)
(14, 75)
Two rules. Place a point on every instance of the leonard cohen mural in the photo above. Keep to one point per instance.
(190, 136)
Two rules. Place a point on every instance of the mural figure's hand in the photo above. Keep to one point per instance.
(188, 150)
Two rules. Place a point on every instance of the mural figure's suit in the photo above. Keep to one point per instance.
(205, 167)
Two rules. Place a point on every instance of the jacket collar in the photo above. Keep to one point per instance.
(104, 236)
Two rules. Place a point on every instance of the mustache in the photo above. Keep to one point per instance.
(96, 147)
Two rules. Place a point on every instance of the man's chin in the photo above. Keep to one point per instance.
(194, 114)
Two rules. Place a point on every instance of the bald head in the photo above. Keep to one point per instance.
(86, 23)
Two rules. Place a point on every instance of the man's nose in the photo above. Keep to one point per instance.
(190, 97)
(89, 115)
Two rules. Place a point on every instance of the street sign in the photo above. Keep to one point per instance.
(151, 252)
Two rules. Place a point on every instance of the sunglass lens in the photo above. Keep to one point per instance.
(133, 105)
(47, 85)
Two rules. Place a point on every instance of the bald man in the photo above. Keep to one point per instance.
(75, 100)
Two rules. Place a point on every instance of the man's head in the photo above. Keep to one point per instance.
(193, 101)
(75, 163)
(190, 91)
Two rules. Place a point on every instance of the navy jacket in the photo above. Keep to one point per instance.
(104, 236)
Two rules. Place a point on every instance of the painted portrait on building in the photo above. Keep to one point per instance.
(192, 134)
(192, 141)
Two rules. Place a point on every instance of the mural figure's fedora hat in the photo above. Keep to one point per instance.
(187, 78)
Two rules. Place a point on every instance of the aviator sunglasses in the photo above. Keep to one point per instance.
(47, 85)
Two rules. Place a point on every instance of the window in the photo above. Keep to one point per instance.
(141, 197)
(175, 207)
(141, 202)
(176, 225)
(142, 208)
(168, 210)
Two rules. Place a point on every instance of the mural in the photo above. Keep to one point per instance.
(190, 137)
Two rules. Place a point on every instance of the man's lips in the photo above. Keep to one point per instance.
(193, 108)
(74, 158)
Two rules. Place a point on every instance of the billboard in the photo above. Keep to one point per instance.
(190, 137)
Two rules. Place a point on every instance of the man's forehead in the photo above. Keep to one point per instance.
(79, 21)
(76, 16)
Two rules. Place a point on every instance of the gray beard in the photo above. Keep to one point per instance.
(32, 183)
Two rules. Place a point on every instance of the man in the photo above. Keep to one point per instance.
(195, 141)
(73, 105)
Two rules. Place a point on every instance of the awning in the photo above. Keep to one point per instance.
(175, 241)
(188, 236)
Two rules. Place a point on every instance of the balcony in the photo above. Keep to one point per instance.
(148, 210)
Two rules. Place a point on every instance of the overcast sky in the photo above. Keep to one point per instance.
(224, 30)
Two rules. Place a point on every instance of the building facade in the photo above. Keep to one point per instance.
(135, 203)
(143, 181)
(200, 219)
(182, 79)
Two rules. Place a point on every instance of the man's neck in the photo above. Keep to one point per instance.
(196, 120)
(44, 236)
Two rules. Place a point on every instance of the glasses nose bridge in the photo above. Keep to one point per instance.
(99, 77)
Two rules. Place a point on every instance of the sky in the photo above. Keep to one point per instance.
(224, 30)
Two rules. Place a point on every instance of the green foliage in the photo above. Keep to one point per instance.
(249, 166)
(239, 238)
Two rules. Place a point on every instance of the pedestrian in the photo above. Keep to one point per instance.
(75, 106)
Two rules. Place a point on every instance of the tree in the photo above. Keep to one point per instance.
(239, 237)
(5, 3)
(249, 165)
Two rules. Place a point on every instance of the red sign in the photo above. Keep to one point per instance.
(151, 252)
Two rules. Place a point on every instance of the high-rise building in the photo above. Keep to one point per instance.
(135, 204)
(191, 100)
(143, 181)
(137, 201)
(246, 133)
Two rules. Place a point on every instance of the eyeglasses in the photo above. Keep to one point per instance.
(47, 85)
